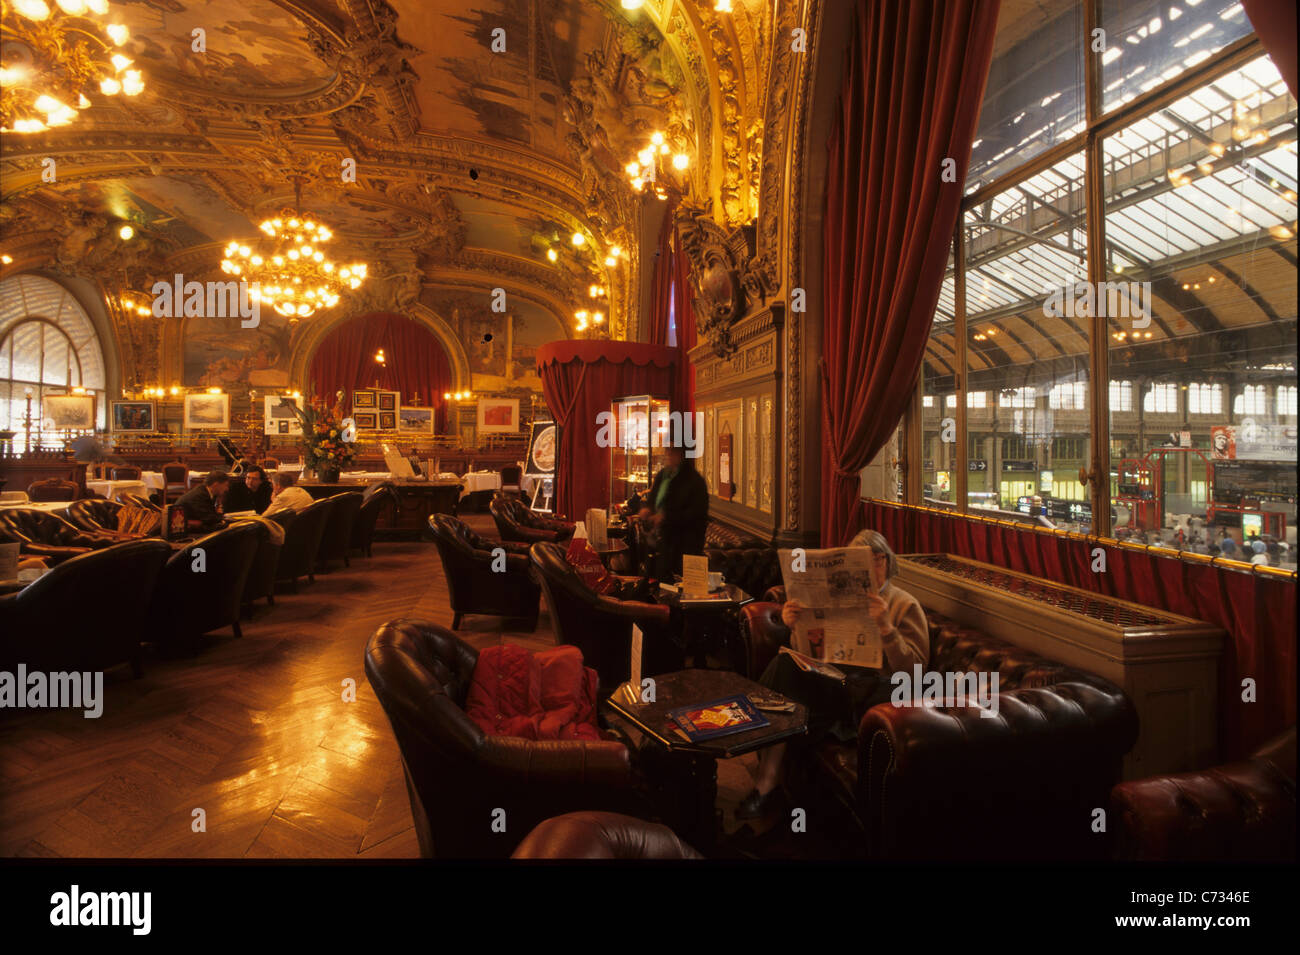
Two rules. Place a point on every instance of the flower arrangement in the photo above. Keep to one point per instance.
(324, 447)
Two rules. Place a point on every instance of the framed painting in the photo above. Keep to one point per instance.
(364, 420)
(207, 412)
(388, 420)
(278, 415)
(498, 414)
(415, 420)
(69, 412)
(363, 399)
(388, 400)
(132, 416)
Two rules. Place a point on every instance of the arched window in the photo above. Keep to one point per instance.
(48, 346)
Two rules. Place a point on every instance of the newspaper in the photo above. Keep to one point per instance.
(834, 585)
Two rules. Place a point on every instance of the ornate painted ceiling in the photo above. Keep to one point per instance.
(470, 163)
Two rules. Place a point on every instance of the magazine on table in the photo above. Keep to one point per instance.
(834, 586)
(704, 721)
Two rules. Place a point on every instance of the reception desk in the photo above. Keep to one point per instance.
(416, 502)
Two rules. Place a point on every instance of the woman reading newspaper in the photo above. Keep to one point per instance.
(836, 706)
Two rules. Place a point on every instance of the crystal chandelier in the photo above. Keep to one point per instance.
(291, 273)
(50, 53)
(659, 167)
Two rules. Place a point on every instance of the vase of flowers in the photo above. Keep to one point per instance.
(324, 449)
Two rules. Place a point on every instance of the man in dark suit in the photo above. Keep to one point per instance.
(250, 492)
(677, 510)
(200, 503)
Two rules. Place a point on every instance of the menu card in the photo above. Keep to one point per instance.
(596, 528)
(695, 575)
(9, 561)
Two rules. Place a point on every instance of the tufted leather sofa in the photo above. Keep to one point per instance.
(457, 776)
(515, 522)
(42, 534)
(188, 603)
(1238, 812)
(475, 588)
(599, 625)
(742, 558)
(943, 782)
(85, 614)
(94, 514)
(602, 835)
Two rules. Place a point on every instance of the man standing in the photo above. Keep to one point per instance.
(677, 509)
(202, 504)
(287, 496)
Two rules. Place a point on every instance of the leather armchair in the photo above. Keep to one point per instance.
(602, 835)
(261, 576)
(94, 514)
(188, 603)
(601, 626)
(85, 614)
(1238, 812)
(336, 538)
(515, 522)
(52, 489)
(935, 782)
(457, 776)
(474, 586)
(373, 501)
(302, 535)
(42, 534)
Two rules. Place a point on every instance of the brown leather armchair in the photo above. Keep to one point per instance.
(373, 501)
(302, 535)
(42, 534)
(94, 514)
(52, 489)
(601, 626)
(515, 522)
(475, 588)
(602, 835)
(189, 603)
(85, 614)
(944, 782)
(459, 779)
(261, 577)
(1237, 812)
(336, 537)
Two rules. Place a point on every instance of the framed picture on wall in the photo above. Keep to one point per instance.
(388, 421)
(132, 416)
(388, 400)
(69, 412)
(278, 416)
(498, 414)
(207, 412)
(415, 420)
(363, 399)
(364, 420)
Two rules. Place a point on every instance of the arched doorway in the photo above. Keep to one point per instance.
(416, 364)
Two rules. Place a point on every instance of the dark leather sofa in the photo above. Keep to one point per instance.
(1238, 812)
(599, 625)
(943, 782)
(188, 603)
(475, 588)
(94, 514)
(515, 522)
(457, 776)
(42, 534)
(85, 614)
(603, 835)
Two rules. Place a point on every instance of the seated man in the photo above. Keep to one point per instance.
(252, 492)
(202, 504)
(287, 496)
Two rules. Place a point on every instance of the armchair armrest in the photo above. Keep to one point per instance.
(635, 610)
(558, 762)
(763, 634)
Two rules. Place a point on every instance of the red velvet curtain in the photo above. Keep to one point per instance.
(1258, 612)
(1275, 22)
(685, 316)
(661, 281)
(913, 82)
(579, 380)
(416, 363)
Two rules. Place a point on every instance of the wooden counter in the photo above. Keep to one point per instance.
(416, 502)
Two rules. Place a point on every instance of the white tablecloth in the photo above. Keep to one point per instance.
(112, 489)
(53, 507)
(481, 481)
(153, 480)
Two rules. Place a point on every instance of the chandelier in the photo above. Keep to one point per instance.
(658, 167)
(50, 53)
(291, 273)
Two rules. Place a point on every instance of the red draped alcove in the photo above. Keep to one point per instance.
(416, 362)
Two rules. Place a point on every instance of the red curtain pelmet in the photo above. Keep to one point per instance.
(913, 82)
(1258, 613)
(416, 363)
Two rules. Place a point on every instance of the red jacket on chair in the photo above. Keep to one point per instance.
(546, 695)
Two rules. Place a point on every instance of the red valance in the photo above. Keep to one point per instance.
(580, 379)
(1258, 611)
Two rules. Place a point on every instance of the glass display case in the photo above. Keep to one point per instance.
(634, 457)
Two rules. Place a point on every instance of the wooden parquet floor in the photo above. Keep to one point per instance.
(254, 732)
